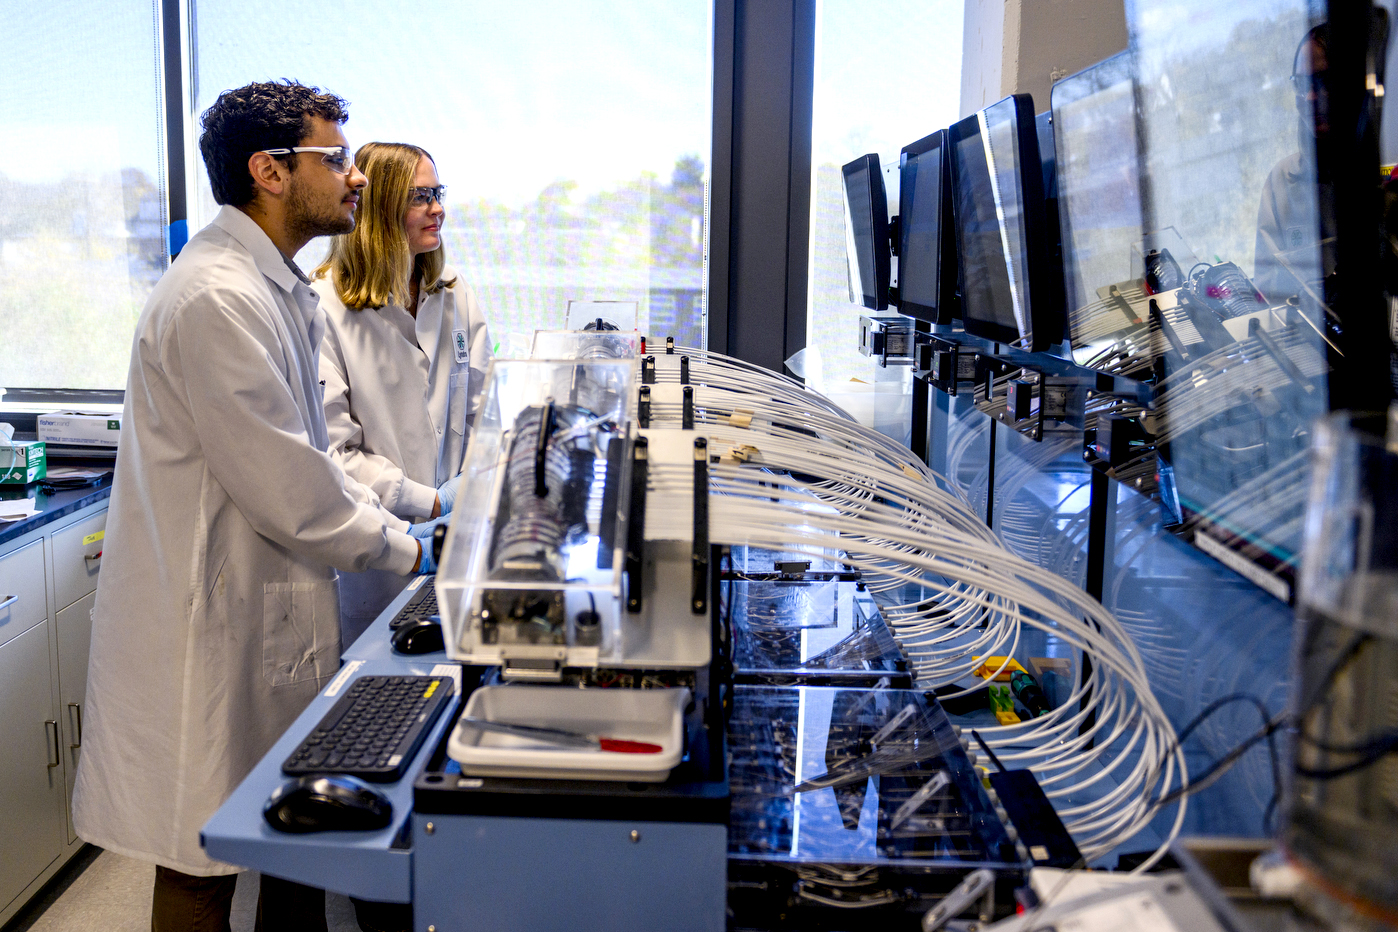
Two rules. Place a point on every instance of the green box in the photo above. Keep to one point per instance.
(30, 463)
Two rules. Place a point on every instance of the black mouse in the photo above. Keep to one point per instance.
(326, 802)
(420, 637)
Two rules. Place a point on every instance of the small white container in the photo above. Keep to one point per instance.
(652, 715)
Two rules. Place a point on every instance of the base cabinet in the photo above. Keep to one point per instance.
(31, 821)
(45, 630)
(74, 627)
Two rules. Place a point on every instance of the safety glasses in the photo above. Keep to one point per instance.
(336, 158)
(421, 197)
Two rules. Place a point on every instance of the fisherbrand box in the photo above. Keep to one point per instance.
(22, 463)
(93, 430)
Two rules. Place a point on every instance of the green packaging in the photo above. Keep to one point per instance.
(29, 464)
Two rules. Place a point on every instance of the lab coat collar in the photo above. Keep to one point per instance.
(269, 259)
(277, 266)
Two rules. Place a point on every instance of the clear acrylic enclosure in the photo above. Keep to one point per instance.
(531, 573)
(585, 344)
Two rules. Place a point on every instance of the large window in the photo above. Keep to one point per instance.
(888, 72)
(573, 139)
(82, 189)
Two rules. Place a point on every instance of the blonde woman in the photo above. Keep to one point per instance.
(403, 358)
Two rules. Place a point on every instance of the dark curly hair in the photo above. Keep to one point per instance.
(271, 115)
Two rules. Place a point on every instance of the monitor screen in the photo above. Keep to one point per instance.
(866, 232)
(1099, 204)
(1011, 289)
(927, 250)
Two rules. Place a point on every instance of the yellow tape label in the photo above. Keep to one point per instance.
(94, 537)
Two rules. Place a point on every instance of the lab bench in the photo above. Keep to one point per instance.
(675, 829)
(517, 852)
(370, 865)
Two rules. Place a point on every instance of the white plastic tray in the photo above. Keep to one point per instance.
(653, 715)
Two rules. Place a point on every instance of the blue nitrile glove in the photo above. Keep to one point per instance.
(426, 566)
(424, 530)
(446, 494)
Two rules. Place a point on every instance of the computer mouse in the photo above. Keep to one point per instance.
(326, 802)
(420, 637)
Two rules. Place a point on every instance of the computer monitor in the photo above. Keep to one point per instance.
(866, 232)
(927, 248)
(1099, 206)
(1011, 288)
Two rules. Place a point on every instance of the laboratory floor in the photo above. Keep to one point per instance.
(102, 890)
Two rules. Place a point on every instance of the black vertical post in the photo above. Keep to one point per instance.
(699, 551)
(172, 45)
(1099, 496)
(921, 398)
(1362, 381)
(764, 58)
(990, 480)
(1099, 500)
(636, 529)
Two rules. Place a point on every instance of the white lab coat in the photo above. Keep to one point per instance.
(216, 618)
(1295, 223)
(400, 394)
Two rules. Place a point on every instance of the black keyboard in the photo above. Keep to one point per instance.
(421, 607)
(375, 728)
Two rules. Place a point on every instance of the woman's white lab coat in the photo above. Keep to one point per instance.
(216, 618)
(400, 394)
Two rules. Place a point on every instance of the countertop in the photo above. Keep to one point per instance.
(51, 507)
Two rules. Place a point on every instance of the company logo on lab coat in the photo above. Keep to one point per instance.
(463, 348)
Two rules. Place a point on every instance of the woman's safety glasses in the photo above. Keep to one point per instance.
(421, 197)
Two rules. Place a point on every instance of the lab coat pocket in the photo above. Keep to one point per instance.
(458, 398)
(300, 632)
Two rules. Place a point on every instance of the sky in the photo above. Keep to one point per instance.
(74, 100)
(508, 98)
(888, 72)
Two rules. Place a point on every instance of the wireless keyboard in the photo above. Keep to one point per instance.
(375, 728)
(421, 607)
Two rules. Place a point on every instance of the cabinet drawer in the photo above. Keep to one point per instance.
(22, 578)
(77, 559)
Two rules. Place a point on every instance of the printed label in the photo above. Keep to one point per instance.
(94, 537)
(343, 677)
(461, 345)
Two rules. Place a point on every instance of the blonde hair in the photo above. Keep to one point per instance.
(372, 265)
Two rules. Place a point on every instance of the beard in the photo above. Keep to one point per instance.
(309, 217)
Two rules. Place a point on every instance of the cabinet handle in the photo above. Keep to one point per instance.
(92, 557)
(57, 757)
(7, 601)
(72, 708)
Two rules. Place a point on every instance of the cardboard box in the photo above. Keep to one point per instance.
(29, 463)
(93, 430)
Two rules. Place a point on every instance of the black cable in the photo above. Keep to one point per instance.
(1379, 748)
(1225, 763)
(1372, 750)
(988, 752)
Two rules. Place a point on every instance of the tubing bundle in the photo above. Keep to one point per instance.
(799, 476)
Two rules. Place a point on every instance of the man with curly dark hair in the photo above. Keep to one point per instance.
(217, 618)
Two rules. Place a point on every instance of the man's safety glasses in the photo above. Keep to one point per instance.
(421, 197)
(336, 158)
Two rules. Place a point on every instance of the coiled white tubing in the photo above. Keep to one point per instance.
(881, 510)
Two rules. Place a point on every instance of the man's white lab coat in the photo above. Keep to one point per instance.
(216, 618)
(399, 397)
